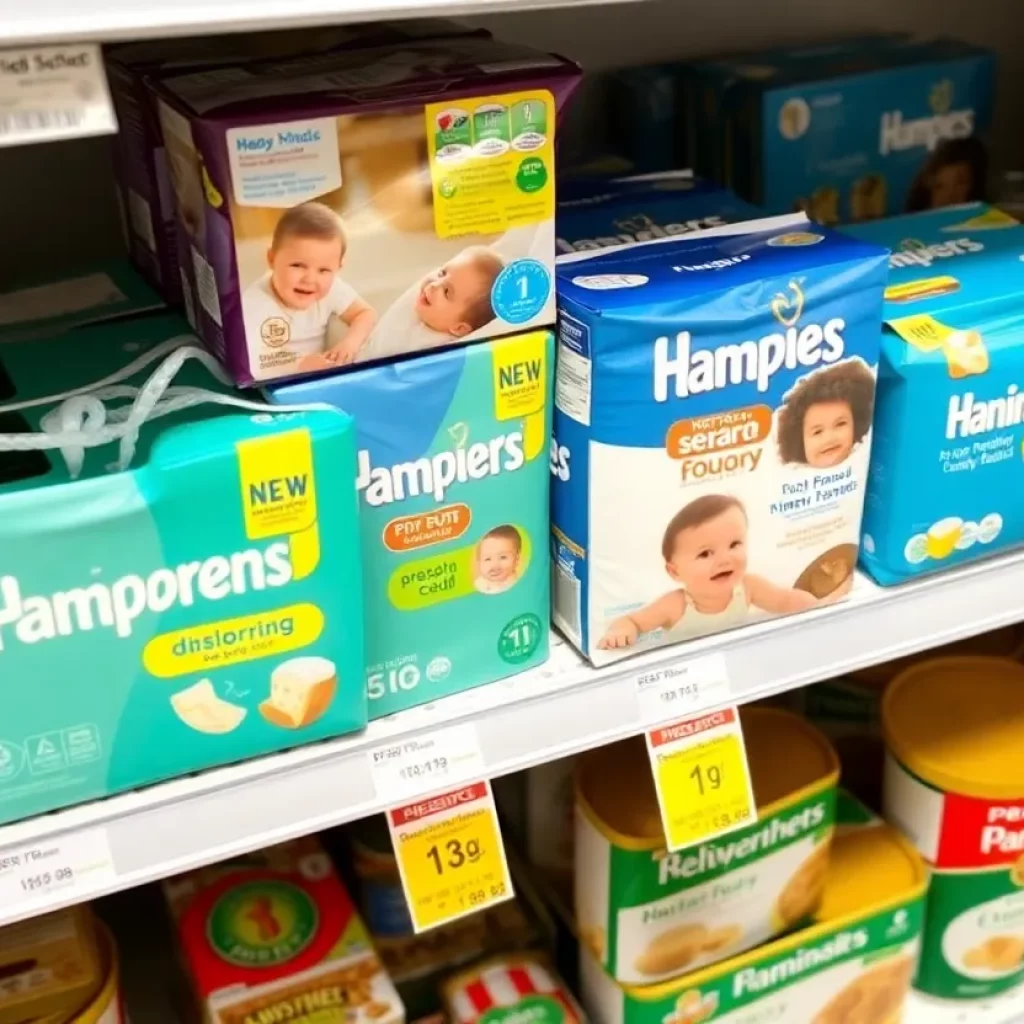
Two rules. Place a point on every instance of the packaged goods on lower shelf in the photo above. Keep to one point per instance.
(95, 292)
(597, 213)
(453, 492)
(648, 914)
(949, 426)
(426, 205)
(849, 709)
(274, 936)
(712, 427)
(199, 605)
(851, 964)
(51, 966)
(954, 783)
(507, 989)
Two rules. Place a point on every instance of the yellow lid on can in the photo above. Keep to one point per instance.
(958, 724)
(786, 754)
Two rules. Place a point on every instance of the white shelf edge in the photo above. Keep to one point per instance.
(58, 21)
(561, 708)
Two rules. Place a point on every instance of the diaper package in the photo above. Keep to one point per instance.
(597, 213)
(947, 470)
(355, 206)
(140, 159)
(713, 408)
(454, 515)
(198, 607)
(886, 126)
(90, 294)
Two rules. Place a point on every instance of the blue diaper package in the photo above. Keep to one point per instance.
(596, 213)
(713, 405)
(454, 513)
(947, 475)
(888, 128)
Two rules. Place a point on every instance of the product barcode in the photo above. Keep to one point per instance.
(566, 591)
(40, 120)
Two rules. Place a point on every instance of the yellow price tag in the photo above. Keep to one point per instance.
(450, 855)
(702, 777)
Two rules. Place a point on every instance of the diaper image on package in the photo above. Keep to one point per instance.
(415, 223)
(850, 963)
(454, 513)
(713, 408)
(597, 213)
(647, 913)
(856, 131)
(949, 427)
(183, 593)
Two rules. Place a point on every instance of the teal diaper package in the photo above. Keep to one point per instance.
(856, 132)
(201, 605)
(947, 470)
(453, 493)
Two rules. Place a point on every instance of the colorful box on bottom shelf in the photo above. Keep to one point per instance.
(946, 473)
(453, 491)
(274, 936)
(200, 607)
(853, 963)
(713, 405)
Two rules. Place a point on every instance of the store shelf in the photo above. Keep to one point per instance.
(561, 708)
(1004, 1010)
(54, 21)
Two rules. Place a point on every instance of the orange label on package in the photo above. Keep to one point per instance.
(492, 162)
(426, 528)
(719, 432)
(927, 288)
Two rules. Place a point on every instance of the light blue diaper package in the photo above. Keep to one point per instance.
(179, 579)
(454, 513)
(712, 425)
(596, 213)
(947, 476)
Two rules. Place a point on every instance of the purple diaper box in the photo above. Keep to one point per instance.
(350, 207)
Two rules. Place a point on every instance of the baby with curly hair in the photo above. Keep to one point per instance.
(827, 415)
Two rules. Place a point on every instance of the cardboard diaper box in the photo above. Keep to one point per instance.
(854, 131)
(179, 588)
(355, 206)
(140, 160)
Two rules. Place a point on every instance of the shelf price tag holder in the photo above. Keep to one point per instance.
(667, 691)
(39, 876)
(450, 855)
(701, 776)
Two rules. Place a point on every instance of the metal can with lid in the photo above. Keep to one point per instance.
(954, 784)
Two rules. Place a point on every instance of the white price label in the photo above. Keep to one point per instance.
(681, 689)
(411, 767)
(65, 869)
(53, 92)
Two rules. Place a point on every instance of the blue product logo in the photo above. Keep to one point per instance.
(521, 291)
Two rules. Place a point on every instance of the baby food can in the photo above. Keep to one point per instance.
(106, 1007)
(851, 965)
(954, 783)
(648, 914)
(381, 897)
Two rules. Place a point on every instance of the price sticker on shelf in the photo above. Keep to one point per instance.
(670, 691)
(702, 777)
(53, 92)
(450, 855)
(64, 869)
(425, 763)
